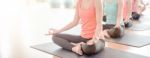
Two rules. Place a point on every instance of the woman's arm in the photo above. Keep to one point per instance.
(71, 24)
(129, 10)
(120, 12)
(99, 18)
(140, 2)
(141, 6)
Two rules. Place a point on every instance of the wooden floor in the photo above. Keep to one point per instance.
(23, 24)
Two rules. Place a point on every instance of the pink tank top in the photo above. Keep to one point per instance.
(125, 9)
(88, 20)
(134, 9)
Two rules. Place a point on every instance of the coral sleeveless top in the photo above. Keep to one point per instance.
(88, 19)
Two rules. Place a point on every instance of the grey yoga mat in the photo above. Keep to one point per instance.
(140, 27)
(144, 24)
(53, 49)
(132, 39)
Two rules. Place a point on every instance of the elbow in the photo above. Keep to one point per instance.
(74, 23)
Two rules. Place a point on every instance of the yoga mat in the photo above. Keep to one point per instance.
(140, 27)
(132, 39)
(144, 24)
(53, 49)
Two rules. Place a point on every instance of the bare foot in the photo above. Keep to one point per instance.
(77, 48)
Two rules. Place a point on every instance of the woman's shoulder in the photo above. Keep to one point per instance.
(78, 2)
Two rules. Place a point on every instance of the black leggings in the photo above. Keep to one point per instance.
(135, 15)
(65, 40)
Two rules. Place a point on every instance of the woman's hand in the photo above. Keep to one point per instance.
(117, 26)
(98, 35)
(53, 31)
(95, 38)
(91, 42)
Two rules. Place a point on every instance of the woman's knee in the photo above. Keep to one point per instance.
(55, 38)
